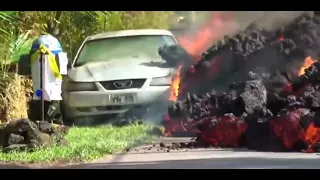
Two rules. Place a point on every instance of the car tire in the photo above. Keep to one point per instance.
(66, 120)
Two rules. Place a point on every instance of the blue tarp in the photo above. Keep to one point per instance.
(49, 41)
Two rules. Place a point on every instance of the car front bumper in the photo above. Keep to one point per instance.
(91, 103)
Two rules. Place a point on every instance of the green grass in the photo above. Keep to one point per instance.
(86, 144)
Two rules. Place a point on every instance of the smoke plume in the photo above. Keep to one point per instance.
(212, 26)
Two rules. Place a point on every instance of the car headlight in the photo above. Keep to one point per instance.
(81, 86)
(161, 81)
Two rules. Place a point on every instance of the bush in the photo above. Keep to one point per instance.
(14, 89)
(13, 101)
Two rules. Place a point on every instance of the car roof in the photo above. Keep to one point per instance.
(138, 32)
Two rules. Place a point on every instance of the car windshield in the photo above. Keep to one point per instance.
(122, 47)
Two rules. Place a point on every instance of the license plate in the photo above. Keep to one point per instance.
(125, 98)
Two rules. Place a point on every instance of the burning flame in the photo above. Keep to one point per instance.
(195, 45)
(174, 89)
(307, 63)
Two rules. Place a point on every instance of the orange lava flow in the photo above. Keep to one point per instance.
(177, 126)
(307, 63)
(227, 132)
(312, 134)
(174, 89)
(312, 137)
(288, 129)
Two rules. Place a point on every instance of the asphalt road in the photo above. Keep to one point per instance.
(207, 159)
(214, 163)
(156, 157)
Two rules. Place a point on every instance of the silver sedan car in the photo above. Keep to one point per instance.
(115, 72)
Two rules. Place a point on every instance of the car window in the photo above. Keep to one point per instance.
(122, 47)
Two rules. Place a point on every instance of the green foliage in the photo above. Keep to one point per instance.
(6, 17)
(17, 46)
(13, 41)
(74, 29)
(74, 26)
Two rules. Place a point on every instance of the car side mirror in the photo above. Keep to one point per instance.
(24, 67)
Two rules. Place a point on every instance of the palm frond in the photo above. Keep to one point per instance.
(6, 16)
(19, 45)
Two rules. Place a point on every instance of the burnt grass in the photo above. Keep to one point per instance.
(246, 91)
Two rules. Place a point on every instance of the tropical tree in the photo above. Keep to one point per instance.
(72, 27)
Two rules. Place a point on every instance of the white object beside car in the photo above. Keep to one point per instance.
(115, 71)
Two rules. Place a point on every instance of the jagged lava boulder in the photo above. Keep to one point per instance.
(23, 134)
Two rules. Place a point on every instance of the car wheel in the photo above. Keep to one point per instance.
(66, 120)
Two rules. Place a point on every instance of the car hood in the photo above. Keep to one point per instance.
(118, 70)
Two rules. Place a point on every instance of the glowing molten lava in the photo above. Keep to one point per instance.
(288, 129)
(281, 38)
(226, 131)
(307, 63)
(312, 134)
(178, 126)
(174, 90)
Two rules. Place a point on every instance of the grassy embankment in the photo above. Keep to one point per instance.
(86, 143)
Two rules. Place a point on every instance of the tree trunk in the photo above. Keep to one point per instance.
(53, 26)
